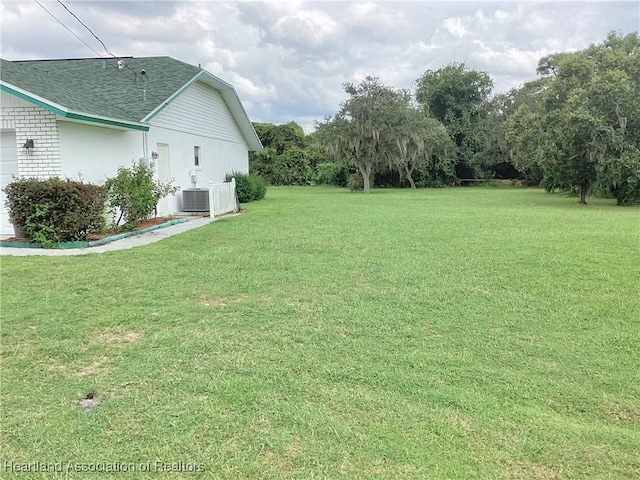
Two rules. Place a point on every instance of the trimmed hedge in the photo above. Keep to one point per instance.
(55, 210)
(248, 187)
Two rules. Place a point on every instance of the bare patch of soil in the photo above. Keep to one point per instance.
(222, 302)
(88, 402)
(92, 369)
(526, 470)
(626, 415)
(16, 240)
(151, 222)
(119, 337)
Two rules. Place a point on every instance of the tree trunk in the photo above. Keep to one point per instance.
(409, 177)
(366, 183)
(583, 194)
(366, 176)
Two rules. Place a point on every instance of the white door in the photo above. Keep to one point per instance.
(164, 175)
(8, 168)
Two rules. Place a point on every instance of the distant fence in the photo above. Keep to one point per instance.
(222, 198)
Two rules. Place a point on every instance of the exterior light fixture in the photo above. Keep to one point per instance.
(28, 146)
(155, 155)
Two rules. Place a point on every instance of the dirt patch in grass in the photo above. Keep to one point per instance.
(530, 471)
(88, 402)
(222, 302)
(481, 289)
(294, 449)
(625, 415)
(460, 421)
(198, 332)
(94, 368)
(53, 367)
(119, 337)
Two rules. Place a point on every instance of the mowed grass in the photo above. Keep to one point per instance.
(442, 334)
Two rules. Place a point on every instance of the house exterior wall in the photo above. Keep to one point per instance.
(35, 123)
(198, 117)
(200, 110)
(93, 153)
(217, 158)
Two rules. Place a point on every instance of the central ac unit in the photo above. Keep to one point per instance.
(195, 200)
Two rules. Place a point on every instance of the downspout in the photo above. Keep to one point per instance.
(145, 149)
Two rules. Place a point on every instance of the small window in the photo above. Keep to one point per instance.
(196, 156)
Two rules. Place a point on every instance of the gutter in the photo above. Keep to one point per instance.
(70, 114)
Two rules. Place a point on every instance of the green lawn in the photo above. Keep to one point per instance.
(446, 333)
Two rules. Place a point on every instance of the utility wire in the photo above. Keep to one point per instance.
(67, 28)
(96, 37)
(85, 43)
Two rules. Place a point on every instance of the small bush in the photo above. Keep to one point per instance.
(55, 210)
(135, 193)
(355, 182)
(248, 187)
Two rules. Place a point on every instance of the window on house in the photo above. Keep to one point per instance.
(196, 156)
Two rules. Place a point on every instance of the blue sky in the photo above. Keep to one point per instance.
(289, 59)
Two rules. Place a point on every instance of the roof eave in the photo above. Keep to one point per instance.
(64, 112)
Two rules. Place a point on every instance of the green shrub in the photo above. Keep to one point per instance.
(290, 167)
(135, 193)
(328, 173)
(55, 210)
(355, 182)
(248, 187)
(621, 177)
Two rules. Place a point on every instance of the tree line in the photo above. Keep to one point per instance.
(576, 128)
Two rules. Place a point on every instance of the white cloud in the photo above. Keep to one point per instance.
(311, 28)
(289, 59)
(454, 27)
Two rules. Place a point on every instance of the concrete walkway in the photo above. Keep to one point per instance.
(124, 244)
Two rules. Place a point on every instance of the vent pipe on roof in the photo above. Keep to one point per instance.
(143, 72)
(104, 64)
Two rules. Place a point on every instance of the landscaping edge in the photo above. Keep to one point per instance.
(93, 243)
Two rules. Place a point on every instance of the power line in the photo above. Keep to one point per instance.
(96, 37)
(85, 43)
(67, 28)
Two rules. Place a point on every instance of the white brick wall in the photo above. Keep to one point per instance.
(41, 126)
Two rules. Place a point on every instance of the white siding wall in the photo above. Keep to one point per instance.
(200, 110)
(35, 123)
(95, 153)
(199, 117)
(217, 158)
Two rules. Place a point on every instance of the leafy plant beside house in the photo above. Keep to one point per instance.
(135, 194)
(55, 210)
(248, 187)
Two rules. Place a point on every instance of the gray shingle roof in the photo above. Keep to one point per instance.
(98, 87)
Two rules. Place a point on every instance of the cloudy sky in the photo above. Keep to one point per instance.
(289, 59)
